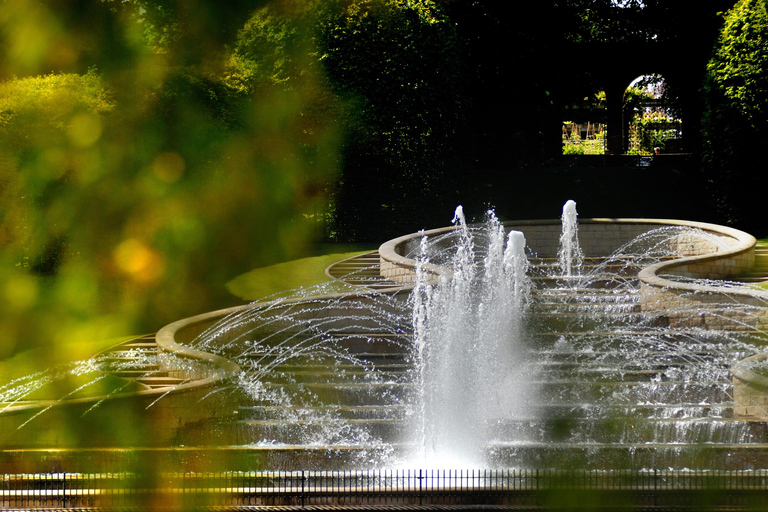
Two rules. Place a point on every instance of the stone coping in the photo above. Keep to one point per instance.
(744, 244)
(172, 337)
(189, 328)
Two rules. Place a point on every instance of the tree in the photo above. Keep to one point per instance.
(389, 71)
(397, 66)
(736, 117)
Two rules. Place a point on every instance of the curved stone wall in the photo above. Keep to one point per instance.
(726, 253)
(172, 337)
(665, 287)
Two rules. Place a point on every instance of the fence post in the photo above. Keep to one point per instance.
(63, 498)
(421, 488)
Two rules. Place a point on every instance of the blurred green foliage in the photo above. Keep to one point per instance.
(736, 116)
(135, 178)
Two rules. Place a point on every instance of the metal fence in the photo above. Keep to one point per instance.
(700, 490)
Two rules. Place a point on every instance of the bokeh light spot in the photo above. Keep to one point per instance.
(84, 129)
(21, 292)
(169, 166)
(138, 260)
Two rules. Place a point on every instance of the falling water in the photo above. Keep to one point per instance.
(467, 346)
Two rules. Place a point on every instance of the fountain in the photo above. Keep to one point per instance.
(468, 346)
(475, 351)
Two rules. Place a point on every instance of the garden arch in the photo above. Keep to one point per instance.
(616, 71)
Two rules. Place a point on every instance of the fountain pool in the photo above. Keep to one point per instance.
(478, 349)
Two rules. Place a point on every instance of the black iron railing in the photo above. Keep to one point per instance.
(704, 490)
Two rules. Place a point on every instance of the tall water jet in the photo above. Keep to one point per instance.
(569, 254)
(467, 345)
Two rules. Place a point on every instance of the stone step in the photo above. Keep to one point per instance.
(689, 431)
(361, 412)
(596, 456)
(348, 394)
(679, 410)
(550, 371)
(598, 393)
(602, 431)
(597, 283)
(566, 356)
(160, 381)
(354, 343)
(297, 431)
(631, 393)
(553, 308)
(532, 412)
(138, 373)
(575, 320)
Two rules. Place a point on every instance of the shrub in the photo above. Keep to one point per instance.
(736, 116)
